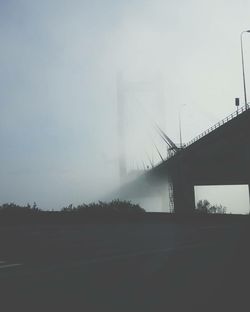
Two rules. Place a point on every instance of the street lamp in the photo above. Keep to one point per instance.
(243, 69)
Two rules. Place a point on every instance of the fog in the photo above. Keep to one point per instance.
(58, 93)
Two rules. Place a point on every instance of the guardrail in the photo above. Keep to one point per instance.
(209, 130)
(218, 124)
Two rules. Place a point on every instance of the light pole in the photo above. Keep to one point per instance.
(243, 69)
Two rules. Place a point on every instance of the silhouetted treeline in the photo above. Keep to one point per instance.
(12, 208)
(114, 207)
(204, 206)
(114, 211)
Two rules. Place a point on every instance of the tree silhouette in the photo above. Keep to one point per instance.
(204, 206)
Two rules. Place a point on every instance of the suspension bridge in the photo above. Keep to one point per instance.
(218, 156)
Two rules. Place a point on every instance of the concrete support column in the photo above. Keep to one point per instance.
(249, 195)
(184, 199)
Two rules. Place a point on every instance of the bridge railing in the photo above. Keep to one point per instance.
(218, 124)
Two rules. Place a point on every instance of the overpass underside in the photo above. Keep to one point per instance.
(222, 157)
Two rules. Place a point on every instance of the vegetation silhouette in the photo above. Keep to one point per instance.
(12, 208)
(114, 207)
(204, 206)
(115, 210)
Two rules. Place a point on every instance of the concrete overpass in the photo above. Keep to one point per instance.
(219, 156)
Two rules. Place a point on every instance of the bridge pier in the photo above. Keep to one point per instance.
(249, 195)
(183, 194)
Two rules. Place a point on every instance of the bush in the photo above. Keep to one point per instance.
(204, 206)
(114, 207)
(12, 208)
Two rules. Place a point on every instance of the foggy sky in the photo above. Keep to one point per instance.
(58, 65)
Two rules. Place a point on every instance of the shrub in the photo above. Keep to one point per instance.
(114, 207)
(204, 206)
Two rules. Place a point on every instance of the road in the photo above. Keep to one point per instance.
(124, 267)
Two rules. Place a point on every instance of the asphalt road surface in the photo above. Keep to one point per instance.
(125, 267)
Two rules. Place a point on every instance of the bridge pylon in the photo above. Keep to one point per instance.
(183, 187)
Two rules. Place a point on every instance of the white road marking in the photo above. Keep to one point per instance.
(9, 265)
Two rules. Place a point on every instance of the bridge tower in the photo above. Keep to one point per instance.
(121, 126)
(135, 88)
(155, 88)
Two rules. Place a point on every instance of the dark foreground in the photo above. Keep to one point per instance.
(146, 265)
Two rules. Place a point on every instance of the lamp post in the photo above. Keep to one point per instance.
(243, 69)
